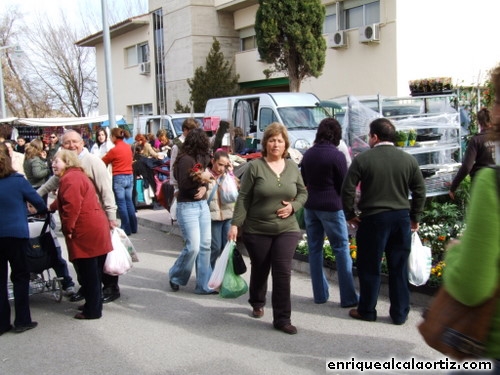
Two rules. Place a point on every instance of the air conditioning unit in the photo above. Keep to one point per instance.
(337, 39)
(369, 33)
(144, 68)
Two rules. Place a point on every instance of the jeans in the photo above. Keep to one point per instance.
(123, 185)
(194, 221)
(334, 225)
(220, 229)
(387, 231)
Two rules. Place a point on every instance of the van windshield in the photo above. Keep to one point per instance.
(177, 122)
(302, 117)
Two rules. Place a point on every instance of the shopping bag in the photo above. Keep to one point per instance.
(118, 261)
(127, 243)
(233, 285)
(220, 267)
(173, 210)
(419, 262)
(238, 262)
(228, 190)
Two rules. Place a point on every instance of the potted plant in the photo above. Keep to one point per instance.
(412, 137)
(401, 138)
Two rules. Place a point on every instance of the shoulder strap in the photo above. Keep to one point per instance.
(213, 191)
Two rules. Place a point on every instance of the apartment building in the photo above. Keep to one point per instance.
(374, 46)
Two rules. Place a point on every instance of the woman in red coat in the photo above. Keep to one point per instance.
(85, 228)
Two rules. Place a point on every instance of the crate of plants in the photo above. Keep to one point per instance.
(431, 86)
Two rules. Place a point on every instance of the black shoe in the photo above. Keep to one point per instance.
(7, 330)
(76, 297)
(107, 298)
(21, 329)
(175, 287)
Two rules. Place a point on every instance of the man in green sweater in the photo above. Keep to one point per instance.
(384, 219)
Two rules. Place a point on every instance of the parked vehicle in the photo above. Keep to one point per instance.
(171, 122)
(301, 113)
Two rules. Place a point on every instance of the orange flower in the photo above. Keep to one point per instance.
(442, 238)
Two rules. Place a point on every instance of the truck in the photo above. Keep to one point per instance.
(171, 122)
(301, 113)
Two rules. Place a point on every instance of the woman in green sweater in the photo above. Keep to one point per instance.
(271, 191)
(473, 265)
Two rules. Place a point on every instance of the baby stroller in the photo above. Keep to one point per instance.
(42, 255)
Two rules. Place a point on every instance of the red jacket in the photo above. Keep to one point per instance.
(120, 157)
(82, 216)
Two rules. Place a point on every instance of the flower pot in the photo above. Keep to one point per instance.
(412, 142)
(401, 143)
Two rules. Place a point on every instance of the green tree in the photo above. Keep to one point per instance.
(215, 80)
(289, 36)
(179, 108)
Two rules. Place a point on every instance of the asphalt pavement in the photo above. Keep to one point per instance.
(152, 330)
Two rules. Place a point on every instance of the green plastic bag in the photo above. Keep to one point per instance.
(299, 215)
(233, 285)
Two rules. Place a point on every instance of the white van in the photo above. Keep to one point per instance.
(301, 113)
(171, 122)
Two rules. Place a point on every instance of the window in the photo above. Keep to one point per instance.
(330, 25)
(357, 13)
(247, 39)
(137, 54)
(142, 110)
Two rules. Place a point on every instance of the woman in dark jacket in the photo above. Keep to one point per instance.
(14, 241)
(193, 214)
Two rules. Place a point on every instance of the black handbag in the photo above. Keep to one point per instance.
(42, 250)
(238, 262)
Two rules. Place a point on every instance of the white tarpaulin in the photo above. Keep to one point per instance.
(58, 121)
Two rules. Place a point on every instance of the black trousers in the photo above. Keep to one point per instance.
(272, 252)
(13, 252)
(90, 276)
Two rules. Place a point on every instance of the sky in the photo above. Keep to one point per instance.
(74, 10)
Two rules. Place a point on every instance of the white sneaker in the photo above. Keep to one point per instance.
(70, 290)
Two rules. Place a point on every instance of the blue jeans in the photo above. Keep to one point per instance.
(194, 221)
(387, 232)
(123, 185)
(334, 225)
(220, 229)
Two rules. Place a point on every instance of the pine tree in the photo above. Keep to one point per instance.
(289, 36)
(215, 80)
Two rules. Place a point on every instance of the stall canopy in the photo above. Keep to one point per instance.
(62, 121)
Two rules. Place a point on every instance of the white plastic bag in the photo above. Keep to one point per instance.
(228, 189)
(118, 261)
(127, 243)
(173, 209)
(419, 262)
(220, 266)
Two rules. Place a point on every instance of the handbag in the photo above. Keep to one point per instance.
(238, 262)
(419, 262)
(457, 330)
(118, 260)
(233, 285)
(299, 215)
(42, 250)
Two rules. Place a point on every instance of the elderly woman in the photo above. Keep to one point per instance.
(35, 164)
(85, 228)
(271, 191)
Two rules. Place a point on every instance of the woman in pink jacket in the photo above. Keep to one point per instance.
(85, 228)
